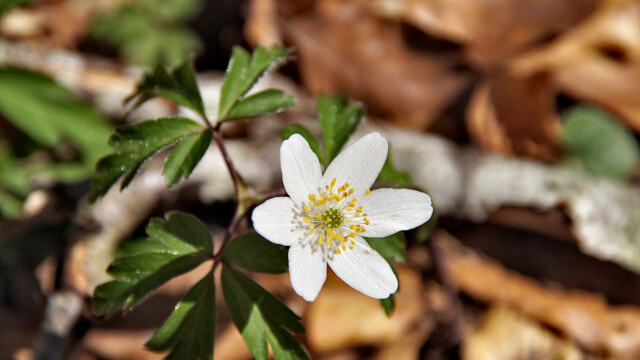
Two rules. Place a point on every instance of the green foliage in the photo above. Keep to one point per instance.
(179, 86)
(190, 330)
(260, 317)
(243, 72)
(187, 244)
(601, 142)
(186, 156)
(254, 253)
(264, 102)
(150, 32)
(135, 144)
(388, 305)
(287, 131)
(48, 119)
(8, 4)
(338, 120)
(392, 247)
(49, 113)
(390, 175)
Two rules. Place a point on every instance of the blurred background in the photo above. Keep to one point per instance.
(519, 118)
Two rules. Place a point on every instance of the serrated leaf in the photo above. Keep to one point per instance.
(190, 329)
(135, 144)
(186, 156)
(391, 248)
(287, 131)
(137, 266)
(260, 317)
(243, 72)
(338, 120)
(182, 232)
(601, 142)
(388, 305)
(390, 175)
(254, 253)
(126, 292)
(179, 86)
(138, 246)
(264, 102)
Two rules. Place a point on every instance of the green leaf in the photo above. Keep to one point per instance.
(50, 114)
(187, 243)
(179, 86)
(388, 305)
(138, 246)
(338, 121)
(182, 232)
(190, 330)
(8, 4)
(10, 205)
(390, 175)
(135, 144)
(243, 72)
(287, 131)
(392, 247)
(601, 142)
(260, 317)
(264, 102)
(140, 275)
(186, 156)
(150, 32)
(254, 253)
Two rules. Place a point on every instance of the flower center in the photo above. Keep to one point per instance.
(335, 218)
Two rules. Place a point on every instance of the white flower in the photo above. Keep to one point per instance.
(326, 216)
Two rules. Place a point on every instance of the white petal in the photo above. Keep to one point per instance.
(365, 270)
(301, 172)
(393, 210)
(359, 164)
(308, 270)
(273, 219)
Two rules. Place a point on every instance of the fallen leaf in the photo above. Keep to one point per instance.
(348, 51)
(342, 317)
(596, 61)
(507, 334)
(120, 344)
(516, 116)
(261, 27)
(492, 30)
(584, 317)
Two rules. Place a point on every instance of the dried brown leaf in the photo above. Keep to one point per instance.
(584, 317)
(492, 29)
(510, 115)
(342, 317)
(597, 61)
(507, 334)
(345, 50)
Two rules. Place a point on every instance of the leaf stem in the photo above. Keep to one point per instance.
(235, 176)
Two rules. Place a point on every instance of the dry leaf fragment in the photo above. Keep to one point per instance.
(510, 115)
(354, 54)
(342, 317)
(585, 317)
(492, 29)
(597, 61)
(507, 335)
